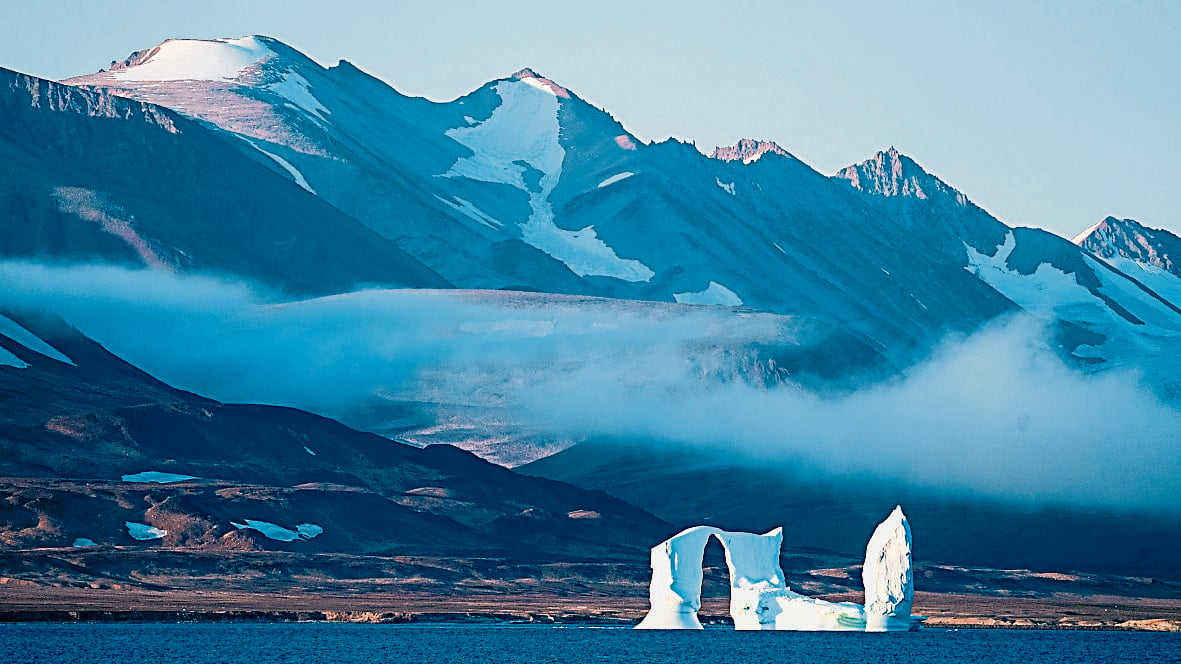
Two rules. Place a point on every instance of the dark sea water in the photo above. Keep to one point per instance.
(79, 643)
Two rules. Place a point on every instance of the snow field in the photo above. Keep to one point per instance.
(615, 178)
(304, 531)
(715, 293)
(143, 532)
(157, 477)
(198, 60)
(524, 128)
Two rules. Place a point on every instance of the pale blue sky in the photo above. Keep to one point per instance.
(1051, 114)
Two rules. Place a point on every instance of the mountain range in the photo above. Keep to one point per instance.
(246, 160)
(523, 185)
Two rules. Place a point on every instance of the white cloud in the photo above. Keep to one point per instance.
(995, 413)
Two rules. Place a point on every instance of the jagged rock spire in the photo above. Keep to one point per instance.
(748, 150)
(891, 173)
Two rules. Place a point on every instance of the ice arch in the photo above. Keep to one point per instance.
(759, 597)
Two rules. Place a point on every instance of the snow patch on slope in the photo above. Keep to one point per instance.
(10, 360)
(295, 89)
(1047, 289)
(524, 130)
(715, 293)
(157, 477)
(286, 165)
(304, 531)
(1164, 283)
(19, 334)
(469, 210)
(532, 78)
(584, 253)
(197, 60)
(615, 178)
(545, 85)
(143, 532)
(1157, 317)
(1078, 239)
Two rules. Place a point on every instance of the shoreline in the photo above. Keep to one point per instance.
(489, 619)
(25, 602)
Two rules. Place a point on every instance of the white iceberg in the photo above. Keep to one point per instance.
(887, 575)
(759, 597)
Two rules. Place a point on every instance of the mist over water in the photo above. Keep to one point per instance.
(995, 413)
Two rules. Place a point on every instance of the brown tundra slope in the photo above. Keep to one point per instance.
(71, 430)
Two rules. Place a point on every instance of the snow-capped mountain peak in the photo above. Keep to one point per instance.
(540, 82)
(257, 86)
(748, 150)
(1094, 228)
(194, 60)
(891, 173)
(1129, 239)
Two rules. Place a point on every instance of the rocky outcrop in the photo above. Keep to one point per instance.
(748, 150)
(1128, 238)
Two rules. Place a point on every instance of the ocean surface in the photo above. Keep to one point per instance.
(264, 643)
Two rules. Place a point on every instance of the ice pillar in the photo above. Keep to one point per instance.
(887, 575)
(675, 593)
(756, 578)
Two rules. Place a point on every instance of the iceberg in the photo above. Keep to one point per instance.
(887, 575)
(759, 596)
